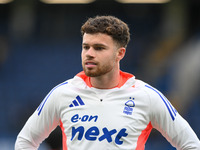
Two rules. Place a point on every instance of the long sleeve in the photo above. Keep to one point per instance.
(40, 124)
(170, 124)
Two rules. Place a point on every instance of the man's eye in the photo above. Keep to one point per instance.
(99, 48)
(86, 47)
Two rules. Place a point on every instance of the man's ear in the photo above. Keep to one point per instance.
(121, 53)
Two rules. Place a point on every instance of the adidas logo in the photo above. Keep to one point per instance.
(77, 102)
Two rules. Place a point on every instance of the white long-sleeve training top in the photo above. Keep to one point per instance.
(106, 119)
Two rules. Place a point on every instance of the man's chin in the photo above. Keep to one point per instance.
(91, 73)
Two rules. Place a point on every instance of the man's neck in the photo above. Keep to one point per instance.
(107, 81)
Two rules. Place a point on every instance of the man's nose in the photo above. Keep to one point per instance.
(90, 52)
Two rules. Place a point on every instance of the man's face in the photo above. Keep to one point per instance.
(99, 54)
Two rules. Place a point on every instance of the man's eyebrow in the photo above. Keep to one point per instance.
(97, 44)
(100, 45)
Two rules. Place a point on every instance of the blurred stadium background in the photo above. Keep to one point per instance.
(40, 46)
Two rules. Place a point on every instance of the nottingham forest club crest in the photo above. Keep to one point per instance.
(128, 109)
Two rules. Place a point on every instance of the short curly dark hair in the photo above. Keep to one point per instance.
(109, 25)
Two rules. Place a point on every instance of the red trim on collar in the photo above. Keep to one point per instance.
(85, 78)
(124, 76)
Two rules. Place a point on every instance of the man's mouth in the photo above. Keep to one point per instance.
(90, 64)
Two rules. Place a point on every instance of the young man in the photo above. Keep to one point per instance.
(103, 108)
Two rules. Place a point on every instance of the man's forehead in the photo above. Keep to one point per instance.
(97, 39)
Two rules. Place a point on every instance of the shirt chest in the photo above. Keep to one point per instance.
(111, 111)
